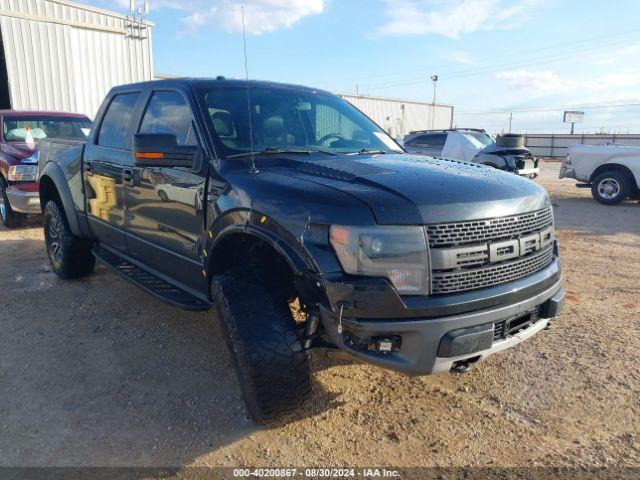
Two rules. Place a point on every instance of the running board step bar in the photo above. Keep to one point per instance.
(149, 282)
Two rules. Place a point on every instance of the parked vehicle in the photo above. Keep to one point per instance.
(188, 194)
(413, 264)
(612, 171)
(506, 152)
(20, 133)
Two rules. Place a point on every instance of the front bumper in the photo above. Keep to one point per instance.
(419, 346)
(566, 171)
(23, 201)
(527, 172)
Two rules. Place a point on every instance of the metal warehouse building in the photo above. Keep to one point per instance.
(399, 117)
(64, 56)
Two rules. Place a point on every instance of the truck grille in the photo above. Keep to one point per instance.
(463, 233)
(463, 280)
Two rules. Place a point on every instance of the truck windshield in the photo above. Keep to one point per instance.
(290, 119)
(16, 129)
(484, 139)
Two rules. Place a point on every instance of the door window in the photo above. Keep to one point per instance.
(116, 125)
(429, 140)
(169, 113)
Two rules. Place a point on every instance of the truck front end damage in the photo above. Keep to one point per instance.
(491, 283)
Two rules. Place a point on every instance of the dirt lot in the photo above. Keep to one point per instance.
(96, 372)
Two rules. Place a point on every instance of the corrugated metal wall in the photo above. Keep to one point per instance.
(389, 114)
(66, 56)
(552, 145)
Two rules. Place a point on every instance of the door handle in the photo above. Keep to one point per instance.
(88, 168)
(127, 176)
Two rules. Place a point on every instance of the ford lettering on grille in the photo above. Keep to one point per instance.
(476, 254)
(491, 252)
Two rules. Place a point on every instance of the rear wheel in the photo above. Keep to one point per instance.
(268, 355)
(610, 188)
(70, 256)
(10, 218)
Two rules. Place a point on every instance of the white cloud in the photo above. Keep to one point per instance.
(261, 16)
(461, 57)
(541, 81)
(547, 81)
(451, 18)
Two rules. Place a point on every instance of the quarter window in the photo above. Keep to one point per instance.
(116, 125)
(169, 113)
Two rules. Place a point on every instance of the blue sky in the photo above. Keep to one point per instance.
(534, 58)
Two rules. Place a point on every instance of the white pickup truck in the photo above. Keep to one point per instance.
(612, 171)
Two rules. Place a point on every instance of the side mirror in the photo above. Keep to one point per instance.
(162, 150)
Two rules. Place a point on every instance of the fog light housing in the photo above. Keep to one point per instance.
(384, 345)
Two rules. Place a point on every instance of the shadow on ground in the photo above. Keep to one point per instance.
(96, 372)
(585, 215)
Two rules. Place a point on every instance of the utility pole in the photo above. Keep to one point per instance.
(510, 120)
(434, 79)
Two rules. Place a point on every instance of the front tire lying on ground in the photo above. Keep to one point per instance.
(70, 256)
(271, 363)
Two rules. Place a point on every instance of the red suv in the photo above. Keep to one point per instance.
(20, 133)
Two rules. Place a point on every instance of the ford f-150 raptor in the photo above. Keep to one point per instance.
(412, 263)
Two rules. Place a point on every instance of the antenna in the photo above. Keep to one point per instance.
(253, 168)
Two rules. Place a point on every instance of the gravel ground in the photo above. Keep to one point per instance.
(97, 373)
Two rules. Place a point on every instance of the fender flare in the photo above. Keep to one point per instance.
(54, 173)
(294, 259)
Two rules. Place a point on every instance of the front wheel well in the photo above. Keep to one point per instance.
(48, 191)
(245, 250)
(614, 167)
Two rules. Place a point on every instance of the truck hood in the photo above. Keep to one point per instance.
(411, 189)
(19, 151)
(501, 151)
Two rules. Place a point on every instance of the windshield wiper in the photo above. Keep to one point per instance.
(278, 151)
(367, 151)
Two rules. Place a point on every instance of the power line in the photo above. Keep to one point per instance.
(498, 67)
(550, 108)
(485, 59)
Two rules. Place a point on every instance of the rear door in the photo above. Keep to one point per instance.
(106, 160)
(165, 215)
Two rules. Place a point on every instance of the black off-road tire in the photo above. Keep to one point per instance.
(621, 187)
(9, 217)
(70, 256)
(268, 355)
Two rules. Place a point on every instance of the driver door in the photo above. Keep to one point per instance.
(165, 214)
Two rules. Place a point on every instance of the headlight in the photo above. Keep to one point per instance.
(396, 253)
(22, 173)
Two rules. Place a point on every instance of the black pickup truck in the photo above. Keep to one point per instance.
(306, 226)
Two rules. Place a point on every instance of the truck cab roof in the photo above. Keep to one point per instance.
(211, 82)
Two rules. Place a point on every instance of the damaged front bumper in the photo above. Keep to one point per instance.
(446, 335)
(566, 171)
